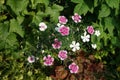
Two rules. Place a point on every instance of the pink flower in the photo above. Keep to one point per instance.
(64, 30)
(31, 59)
(57, 44)
(62, 54)
(48, 60)
(62, 19)
(73, 68)
(90, 29)
(76, 18)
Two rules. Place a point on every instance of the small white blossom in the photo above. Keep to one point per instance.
(85, 37)
(74, 46)
(43, 51)
(42, 26)
(97, 33)
(94, 46)
(58, 24)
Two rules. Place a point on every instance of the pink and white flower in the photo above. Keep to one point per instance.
(74, 46)
(31, 59)
(76, 18)
(62, 19)
(57, 44)
(42, 26)
(90, 29)
(48, 60)
(62, 54)
(64, 30)
(73, 68)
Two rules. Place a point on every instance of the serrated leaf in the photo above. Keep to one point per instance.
(15, 27)
(77, 1)
(46, 2)
(57, 7)
(95, 3)
(113, 3)
(11, 41)
(82, 8)
(105, 11)
(17, 5)
(38, 17)
(109, 25)
(3, 33)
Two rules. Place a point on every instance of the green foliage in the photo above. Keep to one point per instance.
(20, 36)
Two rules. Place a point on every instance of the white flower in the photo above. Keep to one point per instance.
(74, 46)
(85, 37)
(42, 26)
(58, 24)
(94, 46)
(97, 32)
(31, 59)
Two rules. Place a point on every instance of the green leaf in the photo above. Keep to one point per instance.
(15, 27)
(46, 2)
(113, 3)
(20, 19)
(109, 25)
(17, 5)
(95, 3)
(3, 33)
(77, 1)
(57, 7)
(53, 14)
(11, 41)
(105, 11)
(2, 1)
(38, 17)
(82, 8)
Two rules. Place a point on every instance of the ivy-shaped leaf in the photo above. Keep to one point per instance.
(82, 8)
(113, 3)
(17, 5)
(15, 27)
(105, 11)
(109, 25)
(77, 1)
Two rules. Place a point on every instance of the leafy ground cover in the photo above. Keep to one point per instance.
(59, 39)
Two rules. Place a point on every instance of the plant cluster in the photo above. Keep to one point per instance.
(38, 37)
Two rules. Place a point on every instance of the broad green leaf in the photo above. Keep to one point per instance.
(113, 3)
(2, 1)
(53, 14)
(95, 3)
(105, 11)
(46, 2)
(3, 17)
(35, 3)
(17, 5)
(15, 27)
(11, 41)
(77, 1)
(82, 8)
(3, 33)
(38, 17)
(57, 7)
(20, 19)
(109, 25)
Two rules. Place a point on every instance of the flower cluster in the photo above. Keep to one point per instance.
(64, 31)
